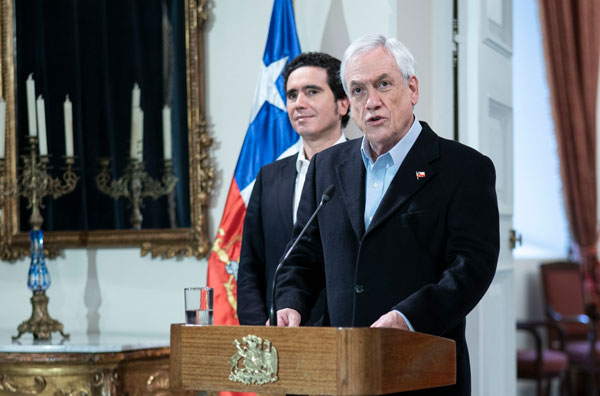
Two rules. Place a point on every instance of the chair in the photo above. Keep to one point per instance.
(565, 306)
(543, 364)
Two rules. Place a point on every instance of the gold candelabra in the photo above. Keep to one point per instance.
(34, 184)
(135, 184)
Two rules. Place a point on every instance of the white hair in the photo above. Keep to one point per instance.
(404, 59)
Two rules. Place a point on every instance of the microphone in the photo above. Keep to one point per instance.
(327, 194)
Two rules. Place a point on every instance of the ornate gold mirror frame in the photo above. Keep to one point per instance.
(191, 241)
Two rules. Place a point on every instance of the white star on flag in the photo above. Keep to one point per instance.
(266, 90)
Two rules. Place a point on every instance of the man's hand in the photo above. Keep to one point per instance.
(287, 317)
(391, 319)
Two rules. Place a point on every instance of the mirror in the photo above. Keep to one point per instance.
(173, 224)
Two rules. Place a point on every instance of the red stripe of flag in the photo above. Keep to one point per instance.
(225, 254)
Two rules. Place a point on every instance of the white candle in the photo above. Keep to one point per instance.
(134, 131)
(140, 134)
(31, 116)
(166, 118)
(41, 112)
(135, 107)
(68, 111)
(137, 135)
(135, 96)
(132, 139)
(2, 127)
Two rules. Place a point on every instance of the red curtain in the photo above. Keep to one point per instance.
(571, 35)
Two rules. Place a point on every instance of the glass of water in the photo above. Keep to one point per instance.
(198, 305)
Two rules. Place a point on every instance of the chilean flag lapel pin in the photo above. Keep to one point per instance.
(420, 175)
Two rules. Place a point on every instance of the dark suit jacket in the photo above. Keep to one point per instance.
(267, 230)
(430, 252)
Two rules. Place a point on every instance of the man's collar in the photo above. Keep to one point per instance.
(302, 155)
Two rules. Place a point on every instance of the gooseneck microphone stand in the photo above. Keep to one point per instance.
(324, 198)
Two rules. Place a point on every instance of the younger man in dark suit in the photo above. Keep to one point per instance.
(410, 239)
(318, 110)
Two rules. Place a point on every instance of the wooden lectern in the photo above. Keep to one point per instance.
(309, 360)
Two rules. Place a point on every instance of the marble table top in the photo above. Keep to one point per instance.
(81, 343)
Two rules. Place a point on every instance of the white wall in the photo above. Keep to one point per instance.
(107, 290)
(116, 290)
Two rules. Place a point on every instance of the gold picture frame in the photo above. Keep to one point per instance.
(192, 241)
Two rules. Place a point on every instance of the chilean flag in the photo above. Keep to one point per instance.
(270, 136)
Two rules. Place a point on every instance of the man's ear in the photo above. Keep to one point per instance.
(343, 106)
(413, 86)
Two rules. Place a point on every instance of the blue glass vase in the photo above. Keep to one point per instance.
(40, 324)
(39, 277)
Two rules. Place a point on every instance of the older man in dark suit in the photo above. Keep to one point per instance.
(318, 110)
(410, 239)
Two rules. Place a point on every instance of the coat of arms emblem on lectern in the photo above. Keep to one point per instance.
(254, 362)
